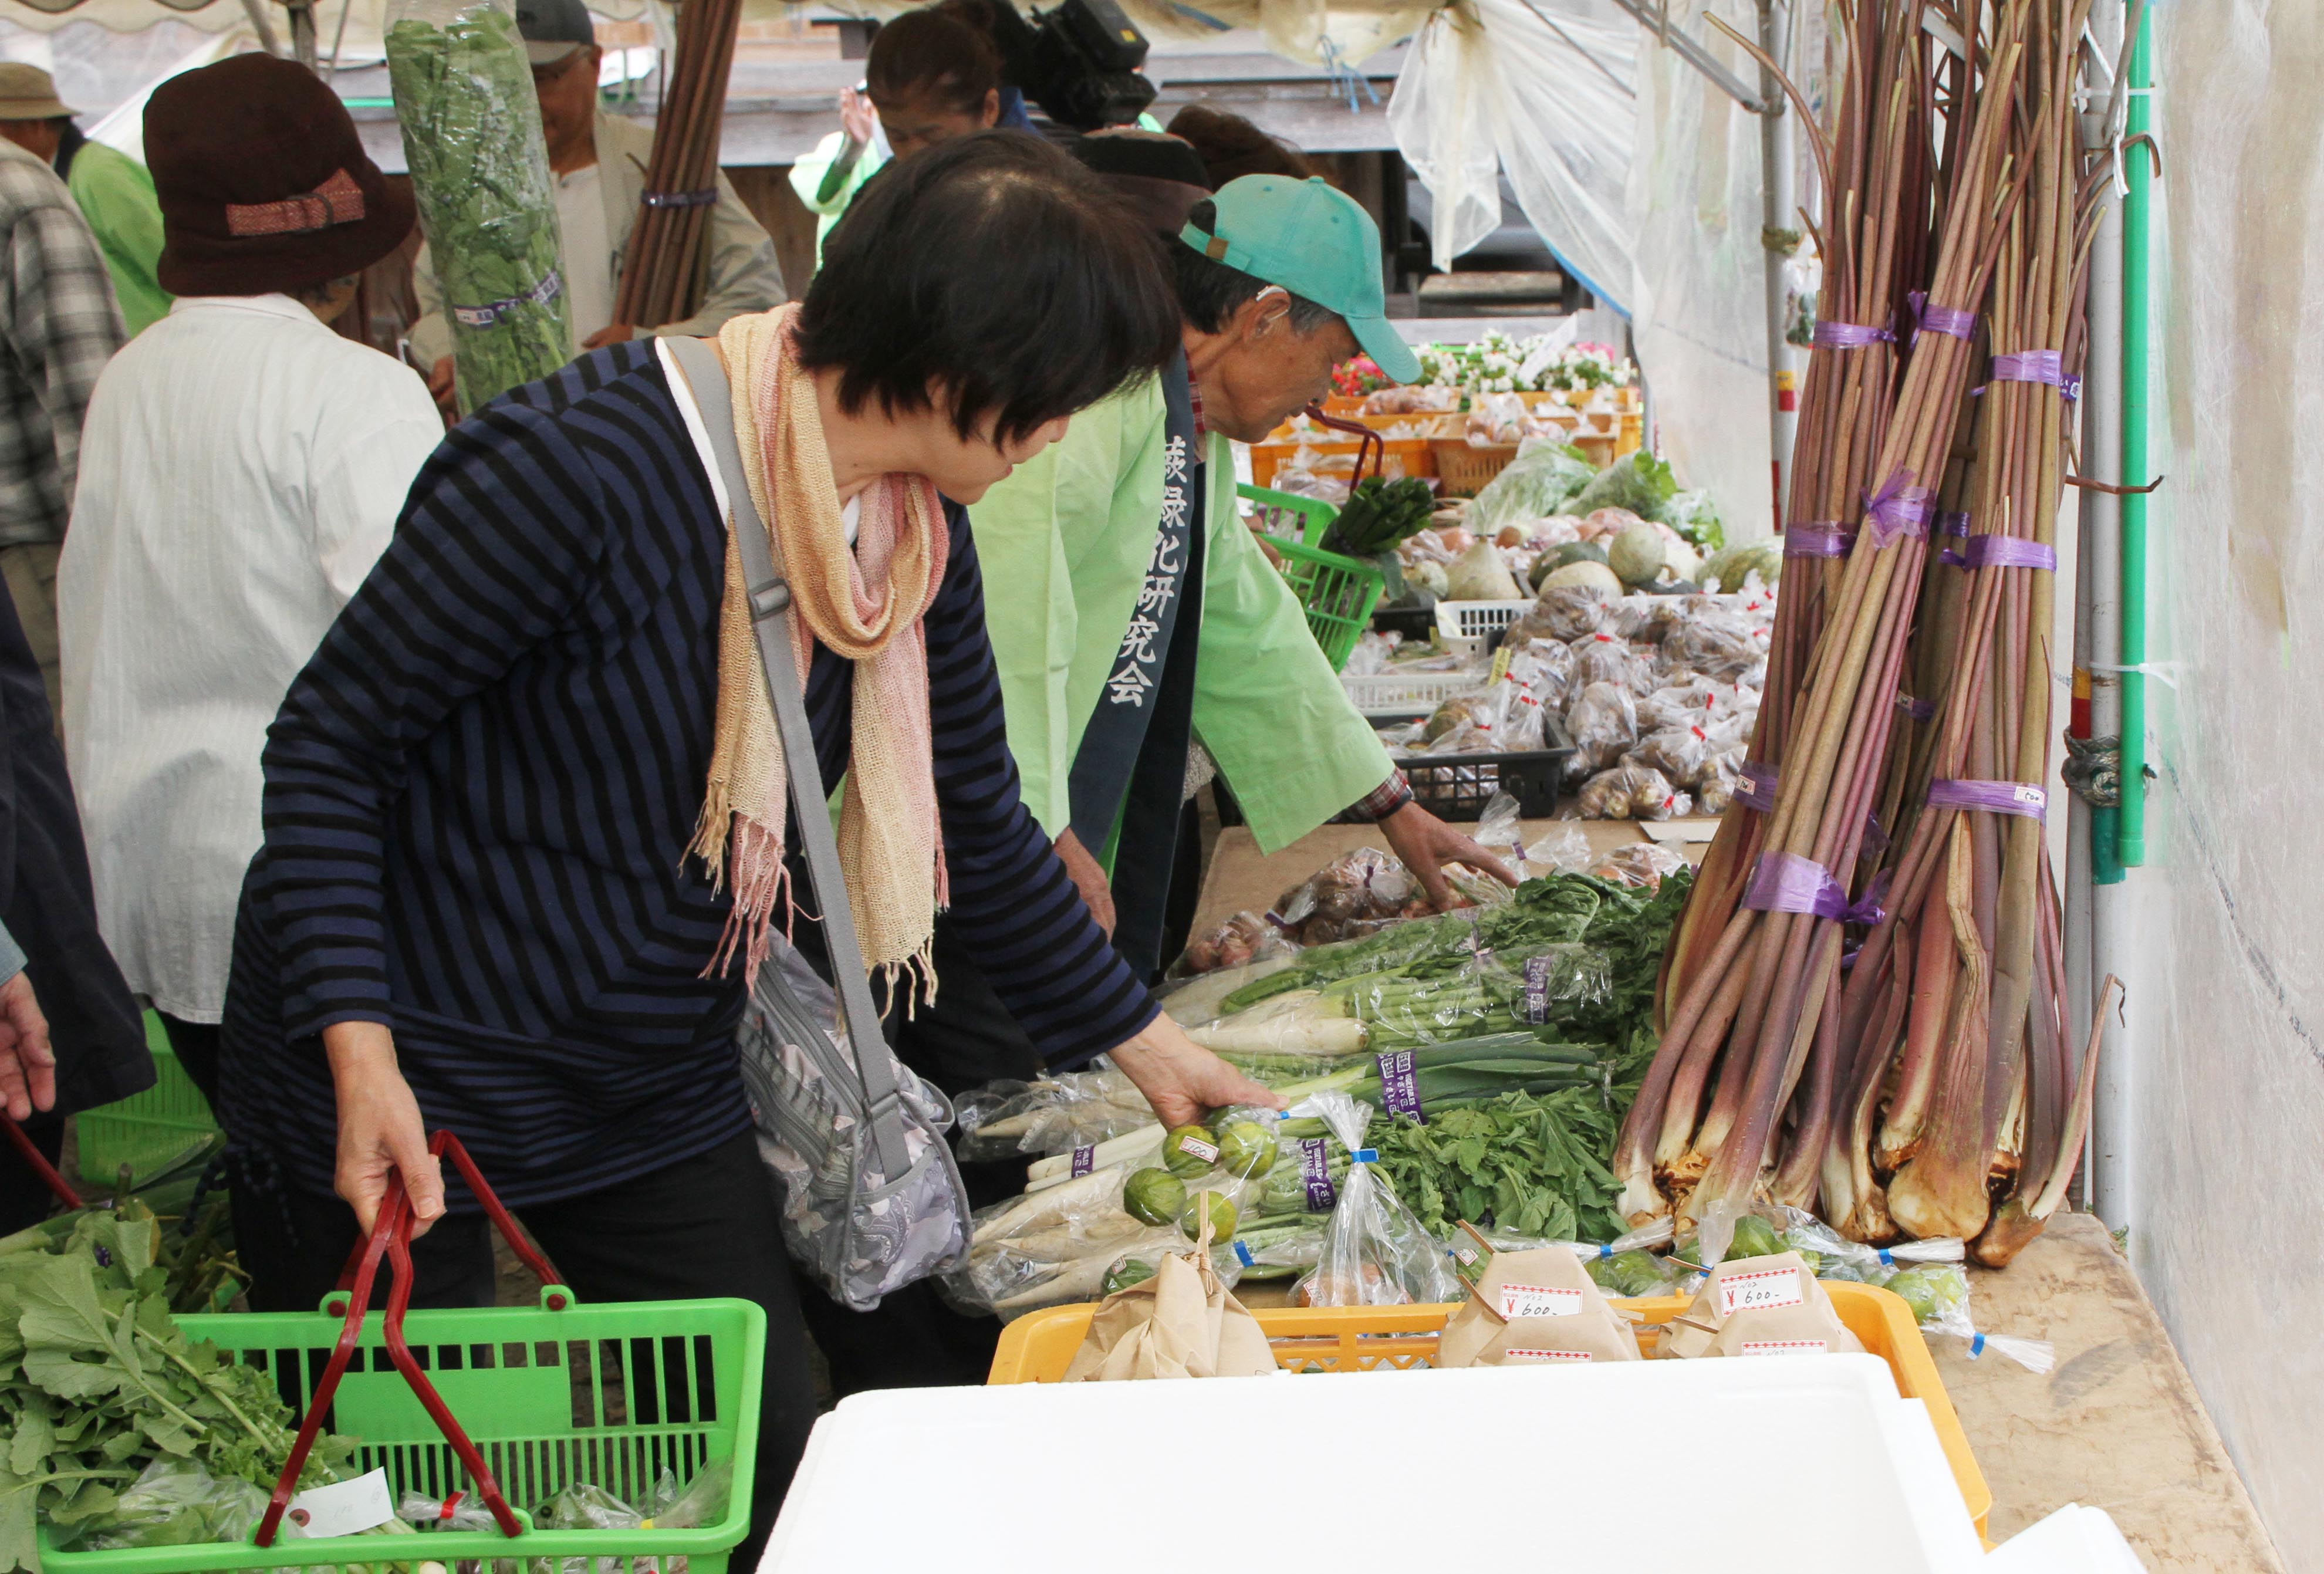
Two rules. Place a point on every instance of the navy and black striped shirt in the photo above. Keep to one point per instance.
(480, 791)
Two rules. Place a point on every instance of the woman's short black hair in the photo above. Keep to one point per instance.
(933, 56)
(997, 266)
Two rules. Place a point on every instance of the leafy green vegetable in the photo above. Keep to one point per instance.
(1541, 480)
(97, 1382)
(1528, 1164)
(471, 140)
(1693, 515)
(1753, 1238)
(1637, 481)
(1379, 514)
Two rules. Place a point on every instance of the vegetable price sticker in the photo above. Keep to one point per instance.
(1759, 1291)
(1783, 1347)
(1538, 1301)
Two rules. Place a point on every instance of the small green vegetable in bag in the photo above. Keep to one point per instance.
(1223, 1216)
(1246, 1148)
(1153, 1196)
(1753, 1238)
(1190, 1151)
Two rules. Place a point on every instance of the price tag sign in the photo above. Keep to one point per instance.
(1514, 1354)
(1763, 1290)
(1538, 1301)
(1783, 1347)
(1194, 1147)
(344, 1508)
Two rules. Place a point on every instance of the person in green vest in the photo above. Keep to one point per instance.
(112, 191)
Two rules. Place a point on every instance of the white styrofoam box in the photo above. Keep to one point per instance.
(1785, 1465)
(1405, 694)
(1462, 627)
(2075, 1539)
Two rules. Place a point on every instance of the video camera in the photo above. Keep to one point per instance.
(1078, 61)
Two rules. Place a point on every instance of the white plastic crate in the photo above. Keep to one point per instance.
(1405, 694)
(1462, 627)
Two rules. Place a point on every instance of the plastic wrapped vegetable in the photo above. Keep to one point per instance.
(1608, 657)
(1054, 1114)
(1567, 613)
(1375, 1253)
(1631, 792)
(1694, 516)
(173, 1503)
(1603, 722)
(1236, 942)
(471, 140)
(1717, 645)
(1637, 481)
(1680, 753)
(1642, 865)
(1535, 485)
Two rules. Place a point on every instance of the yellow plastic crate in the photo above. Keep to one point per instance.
(1038, 1346)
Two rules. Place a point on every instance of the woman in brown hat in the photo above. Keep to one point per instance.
(241, 469)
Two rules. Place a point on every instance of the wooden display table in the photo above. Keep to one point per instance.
(2116, 1425)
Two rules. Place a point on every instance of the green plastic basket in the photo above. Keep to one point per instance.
(1339, 593)
(145, 1130)
(551, 1396)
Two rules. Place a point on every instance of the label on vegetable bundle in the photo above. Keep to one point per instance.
(1195, 1148)
(1533, 1001)
(1514, 1354)
(1399, 1093)
(1539, 1300)
(1084, 1159)
(1316, 1171)
(1763, 1290)
(344, 1508)
(1782, 1347)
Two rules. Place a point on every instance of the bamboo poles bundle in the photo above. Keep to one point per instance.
(668, 263)
(1973, 153)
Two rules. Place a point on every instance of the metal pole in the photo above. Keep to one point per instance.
(1778, 163)
(2094, 888)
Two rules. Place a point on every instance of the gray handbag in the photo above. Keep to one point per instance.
(872, 1198)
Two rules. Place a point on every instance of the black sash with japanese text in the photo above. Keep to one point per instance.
(1142, 667)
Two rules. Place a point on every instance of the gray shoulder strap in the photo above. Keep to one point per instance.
(770, 602)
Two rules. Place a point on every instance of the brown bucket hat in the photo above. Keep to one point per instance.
(262, 182)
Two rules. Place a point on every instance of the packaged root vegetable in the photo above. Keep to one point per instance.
(1534, 1308)
(1605, 658)
(1354, 895)
(1759, 1306)
(1641, 865)
(1236, 942)
(1631, 792)
(1717, 645)
(1603, 722)
(1054, 1114)
(1567, 613)
(1375, 1253)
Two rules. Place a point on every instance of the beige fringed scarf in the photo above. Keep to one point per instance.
(865, 604)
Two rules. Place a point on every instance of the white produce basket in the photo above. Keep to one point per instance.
(1462, 627)
(1406, 694)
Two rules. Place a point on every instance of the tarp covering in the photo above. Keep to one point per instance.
(2226, 1093)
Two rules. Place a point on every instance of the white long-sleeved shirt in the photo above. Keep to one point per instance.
(242, 468)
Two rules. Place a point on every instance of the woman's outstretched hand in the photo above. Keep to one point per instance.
(1180, 1078)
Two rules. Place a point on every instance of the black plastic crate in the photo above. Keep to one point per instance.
(1458, 786)
(1412, 622)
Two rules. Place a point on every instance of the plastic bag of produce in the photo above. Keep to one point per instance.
(1608, 657)
(1375, 1253)
(1693, 515)
(1534, 485)
(1681, 753)
(1637, 481)
(1534, 1308)
(1603, 722)
(1181, 1323)
(1721, 779)
(1567, 613)
(173, 1503)
(1054, 1114)
(1046, 1247)
(1354, 895)
(1717, 645)
(1760, 1306)
(1631, 792)
(1244, 938)
(471, 140)
(1641, 865)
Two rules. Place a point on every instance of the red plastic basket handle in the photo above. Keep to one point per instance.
(1370, 444)
(391, 1237)
(41, 1165)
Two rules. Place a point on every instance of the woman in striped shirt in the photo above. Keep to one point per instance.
(476, 908)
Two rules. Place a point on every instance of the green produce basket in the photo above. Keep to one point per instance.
(145, 1130)
(1339, 593)
(1314, 515)
(550, 1396)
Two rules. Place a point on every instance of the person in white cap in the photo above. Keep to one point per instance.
(598, 163)
(113, 190)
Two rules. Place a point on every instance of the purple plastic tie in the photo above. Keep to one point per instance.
(1897, 510)
(1953, 524)
(1784, 882)
(2043, 366)
(1824, 539)
(1850, 336)
(1919, 710)
(1876, 840)
(1995, 797)
(2009, 552)
(1757, 786)
(1940, 319)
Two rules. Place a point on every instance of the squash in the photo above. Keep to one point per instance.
(1479, 574)
(1637, 554)
(1550, 562)
(1594, 575)
(1764, 557)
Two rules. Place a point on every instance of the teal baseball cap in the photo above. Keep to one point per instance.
(1316, 243)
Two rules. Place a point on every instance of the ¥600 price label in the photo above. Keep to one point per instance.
(1762, 1291)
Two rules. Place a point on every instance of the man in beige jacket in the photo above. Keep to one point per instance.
(597, 162)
